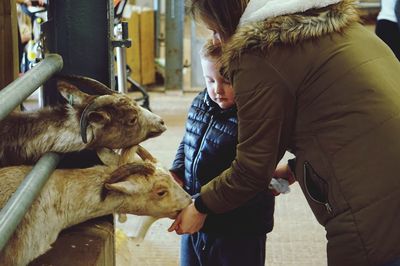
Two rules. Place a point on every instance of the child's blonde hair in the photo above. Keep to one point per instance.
(211, 51)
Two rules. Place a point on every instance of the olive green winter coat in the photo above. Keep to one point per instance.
(322, 86)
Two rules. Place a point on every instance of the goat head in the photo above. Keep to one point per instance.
(109, 119)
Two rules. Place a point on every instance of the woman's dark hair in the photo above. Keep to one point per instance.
(222, 15)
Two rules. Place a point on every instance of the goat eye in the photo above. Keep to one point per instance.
(131, 121)
(162, 193)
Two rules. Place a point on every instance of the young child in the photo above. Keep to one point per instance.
(208, 148)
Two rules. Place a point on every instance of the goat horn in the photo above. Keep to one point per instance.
(93, 105)
(145, 154)
(142, 168)
(98, 87)
(127, 155)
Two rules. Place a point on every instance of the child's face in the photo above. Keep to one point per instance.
(219, 89)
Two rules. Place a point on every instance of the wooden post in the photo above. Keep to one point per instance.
(140, 56)
(8, 42)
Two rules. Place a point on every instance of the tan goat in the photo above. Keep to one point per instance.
(110, 120)
(76, 195)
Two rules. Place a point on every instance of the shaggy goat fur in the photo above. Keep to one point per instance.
(86, 122)
(76, 195)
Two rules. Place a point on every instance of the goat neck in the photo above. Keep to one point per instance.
(80, 201)
(50, 129)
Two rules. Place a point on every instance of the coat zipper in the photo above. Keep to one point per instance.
(328, 207)
(196, 159)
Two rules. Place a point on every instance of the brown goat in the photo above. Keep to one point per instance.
(110, 120)
(76, 195)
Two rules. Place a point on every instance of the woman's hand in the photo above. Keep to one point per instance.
(189, 221)
(283, 171)
(27, 2)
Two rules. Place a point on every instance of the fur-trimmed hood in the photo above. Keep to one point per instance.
(288, 29)
(257, 10)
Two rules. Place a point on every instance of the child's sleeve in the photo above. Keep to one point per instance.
(178, 165)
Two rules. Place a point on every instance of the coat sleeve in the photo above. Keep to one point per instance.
(266, 110)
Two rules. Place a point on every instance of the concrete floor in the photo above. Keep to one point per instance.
(297, 239)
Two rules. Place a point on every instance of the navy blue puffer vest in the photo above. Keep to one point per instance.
(207, 149)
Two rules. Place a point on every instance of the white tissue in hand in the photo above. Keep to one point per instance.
(280, 185)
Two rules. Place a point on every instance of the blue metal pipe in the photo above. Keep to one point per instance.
(19, 203)
(17, 91)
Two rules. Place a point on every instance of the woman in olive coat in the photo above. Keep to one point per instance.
(309, 78)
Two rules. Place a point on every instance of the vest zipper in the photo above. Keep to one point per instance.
(196, 159)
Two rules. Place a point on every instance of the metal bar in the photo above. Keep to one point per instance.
(110, 34)
(16, 207)
(121, 69)
(174, 45)
(121, 37)
(41, 98)
(157, 17)
(17, 91)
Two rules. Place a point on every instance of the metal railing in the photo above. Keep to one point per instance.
(10, 97)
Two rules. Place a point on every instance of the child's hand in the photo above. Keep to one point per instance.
(189, 221)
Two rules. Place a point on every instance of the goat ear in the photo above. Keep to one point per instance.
(71, 93)
(125, 187)
(99, 117)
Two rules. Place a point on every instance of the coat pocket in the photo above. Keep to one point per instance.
(316, 187)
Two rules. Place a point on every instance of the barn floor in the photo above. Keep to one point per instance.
(297, 239)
